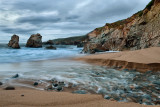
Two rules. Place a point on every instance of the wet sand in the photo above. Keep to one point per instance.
(141, 60)
(36, 98)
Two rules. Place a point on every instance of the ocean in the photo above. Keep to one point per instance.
(43, 66)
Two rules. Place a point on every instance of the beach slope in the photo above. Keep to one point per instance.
(142, 60)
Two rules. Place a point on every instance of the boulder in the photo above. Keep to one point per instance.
(14, 42)
(51, 47)
(93, 47)
(35, 41)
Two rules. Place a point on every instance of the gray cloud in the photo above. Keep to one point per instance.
(58, 17)
(36, 20)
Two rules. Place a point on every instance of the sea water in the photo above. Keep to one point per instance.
(39, 64)
(9, 55)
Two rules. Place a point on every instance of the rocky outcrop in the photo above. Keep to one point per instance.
(142, 30)
(14, 42)
(35, 41)
(51, 47)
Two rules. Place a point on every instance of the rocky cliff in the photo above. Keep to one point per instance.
(142, 30)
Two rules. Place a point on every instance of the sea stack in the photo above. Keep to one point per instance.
(35, 41)
(14, 42)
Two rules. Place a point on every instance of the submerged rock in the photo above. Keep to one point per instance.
(80, 92)
(51, 47)
(16, 76)
(35, 41)
(14, 42)
(10, 88)
(59, 88)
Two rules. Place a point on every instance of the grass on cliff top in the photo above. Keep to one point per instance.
(76, 38)
(150, 4)
(120, 24)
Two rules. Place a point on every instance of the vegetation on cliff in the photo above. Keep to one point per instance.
(77, 40)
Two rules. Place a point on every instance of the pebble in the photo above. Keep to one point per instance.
(35, 83)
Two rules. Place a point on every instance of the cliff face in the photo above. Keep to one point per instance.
(142, 30)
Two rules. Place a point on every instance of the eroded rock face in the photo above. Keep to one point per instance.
(35, 41)
(93, 47)
(14, 42)
(142, 30)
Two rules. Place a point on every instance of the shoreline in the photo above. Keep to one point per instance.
(141, 60)
(48, 98)
(30, 97)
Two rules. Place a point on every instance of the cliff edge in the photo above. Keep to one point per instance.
(141, 30)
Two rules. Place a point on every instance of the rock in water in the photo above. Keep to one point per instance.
(51, 47)
(16, 76)
(35, 41)
(14, 42)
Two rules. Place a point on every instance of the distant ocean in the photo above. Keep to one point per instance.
(8, 55)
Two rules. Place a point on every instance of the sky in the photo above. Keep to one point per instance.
(61, 18)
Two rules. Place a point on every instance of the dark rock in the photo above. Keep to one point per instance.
(35, 41)
(14, 42)
(35, 83)
(55, 85)
(1, 83)
(59, 88)
(51, 47)
(10, 88)
(15, 76)
(22, 95)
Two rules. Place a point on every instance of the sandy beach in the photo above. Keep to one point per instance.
(36, 98)
(141, 60)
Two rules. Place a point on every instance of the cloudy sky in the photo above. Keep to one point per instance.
(61, 18)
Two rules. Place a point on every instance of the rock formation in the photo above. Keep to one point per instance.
(142, 30)
(35, 41)
(51, 47)
(14, 42)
